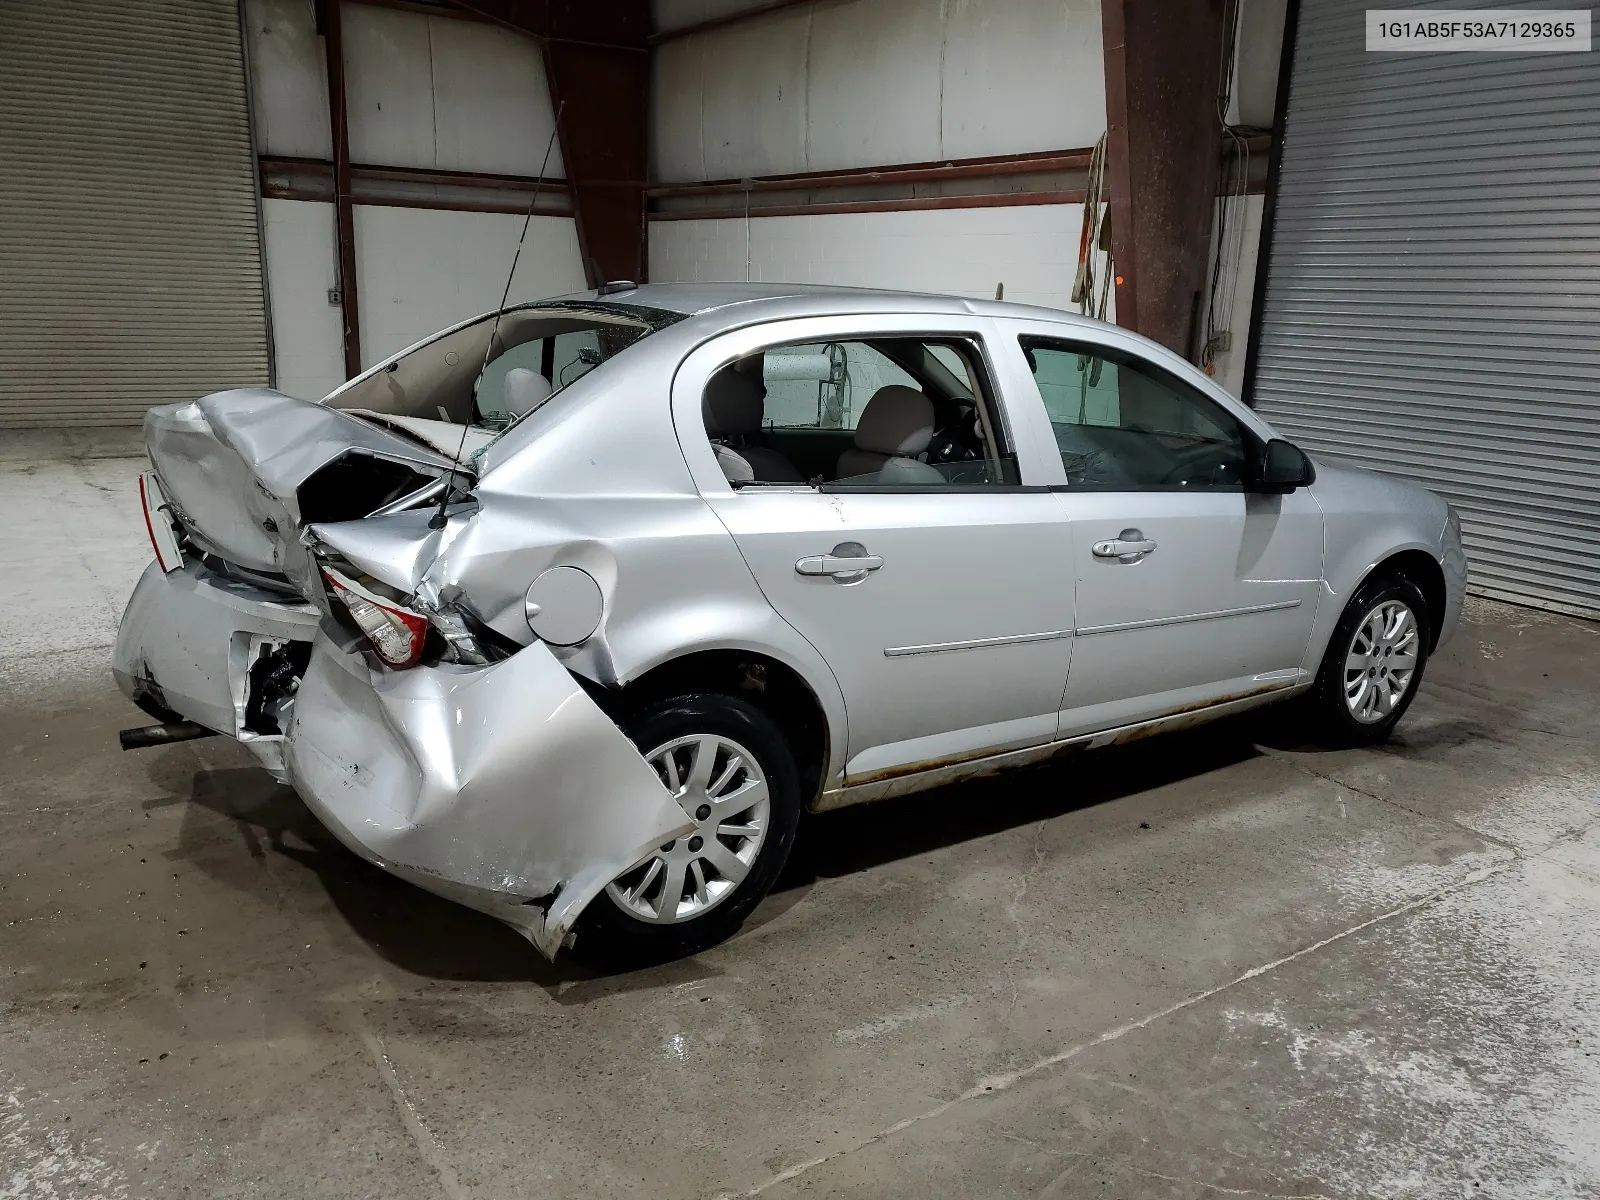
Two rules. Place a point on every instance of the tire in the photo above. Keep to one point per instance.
(1344, 710)
(626, 924)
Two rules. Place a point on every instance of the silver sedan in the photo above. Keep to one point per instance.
(568, 613)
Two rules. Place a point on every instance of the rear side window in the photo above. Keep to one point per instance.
(825, 385)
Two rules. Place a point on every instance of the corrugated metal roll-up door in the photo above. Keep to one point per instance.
(1432, 306)
(130, 260)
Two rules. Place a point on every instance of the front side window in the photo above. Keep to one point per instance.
(867, 412)
(1122, 423)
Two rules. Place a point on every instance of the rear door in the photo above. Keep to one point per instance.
(1190, 589)
(952, 635)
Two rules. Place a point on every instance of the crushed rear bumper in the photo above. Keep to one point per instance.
(502, 787)
(186, 643)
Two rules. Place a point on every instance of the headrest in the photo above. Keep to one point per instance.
(733, 404)
(525, 390)
(897, 420)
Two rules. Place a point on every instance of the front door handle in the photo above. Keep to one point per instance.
(848, 562)
(1129, 546)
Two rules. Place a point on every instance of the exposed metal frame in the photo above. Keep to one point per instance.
(317, 174)
(331, 26)
(1055, 179)
(899, 204)
(1119, 172)
(597, 65)
(1269, 206)
(918, 172)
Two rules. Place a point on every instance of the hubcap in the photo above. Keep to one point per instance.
(1381, 662)
(721, 783)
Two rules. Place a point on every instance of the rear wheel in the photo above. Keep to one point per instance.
(733, 772)
(1373, 665)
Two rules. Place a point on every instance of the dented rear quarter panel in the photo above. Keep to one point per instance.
(501, 787)
(599, 482)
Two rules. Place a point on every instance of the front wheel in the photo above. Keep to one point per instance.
(733, 772)
(1373, 665)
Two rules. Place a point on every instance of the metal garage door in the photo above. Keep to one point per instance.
(1433, 297)
(130, 263)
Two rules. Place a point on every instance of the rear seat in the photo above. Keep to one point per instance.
(734, 406)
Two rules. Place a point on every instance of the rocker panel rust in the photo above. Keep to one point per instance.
(916, 777)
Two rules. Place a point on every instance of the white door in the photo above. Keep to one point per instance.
(935, 579)
(1191, 589)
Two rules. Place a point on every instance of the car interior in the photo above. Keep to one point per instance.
(932, 426)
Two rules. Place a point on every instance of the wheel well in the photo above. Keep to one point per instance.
(1421, 569)
(775, 688)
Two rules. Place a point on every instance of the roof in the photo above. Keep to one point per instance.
(693, 299)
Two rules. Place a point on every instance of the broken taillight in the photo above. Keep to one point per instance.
(395, 633)
(158, 524)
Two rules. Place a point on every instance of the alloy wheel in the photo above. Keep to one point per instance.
(721, 785)
(1381, 662)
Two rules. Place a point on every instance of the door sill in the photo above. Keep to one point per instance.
(917, 778)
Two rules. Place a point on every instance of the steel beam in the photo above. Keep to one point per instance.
(597, 62)
(1164, 140)
(330, 25)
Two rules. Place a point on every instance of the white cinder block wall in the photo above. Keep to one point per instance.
(869, 83)
(422, 91)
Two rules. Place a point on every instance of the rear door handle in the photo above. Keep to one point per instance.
(848, 562)
(1128, 546)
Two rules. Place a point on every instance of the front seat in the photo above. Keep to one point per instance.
(525, 390)
(895, 426)
(733, 407)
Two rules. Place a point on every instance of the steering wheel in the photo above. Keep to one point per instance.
(1209, 463)
(957, 441)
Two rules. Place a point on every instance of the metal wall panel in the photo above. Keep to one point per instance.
(1032, 249)
(422, 270)
(826, 86)
(288, 79)
(444, 93)
(873, 83)
(130, 271)
(1021, 76)
(307, 330)
(1432, 306)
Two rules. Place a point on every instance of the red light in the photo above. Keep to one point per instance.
(396, 634)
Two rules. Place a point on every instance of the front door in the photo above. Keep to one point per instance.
(936, 585)
(1190, 590)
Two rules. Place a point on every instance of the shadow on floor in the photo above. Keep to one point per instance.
(432, 937)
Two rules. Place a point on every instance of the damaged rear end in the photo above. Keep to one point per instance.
(289, 608)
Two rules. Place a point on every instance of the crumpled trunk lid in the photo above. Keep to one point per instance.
(247, 469)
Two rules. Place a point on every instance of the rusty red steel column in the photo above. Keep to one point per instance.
(332, 29)
(1164, 140)
(597, 60)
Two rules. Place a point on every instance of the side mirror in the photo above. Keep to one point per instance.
(1284, 467)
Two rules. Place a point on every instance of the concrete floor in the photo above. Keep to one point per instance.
(1201, 966)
